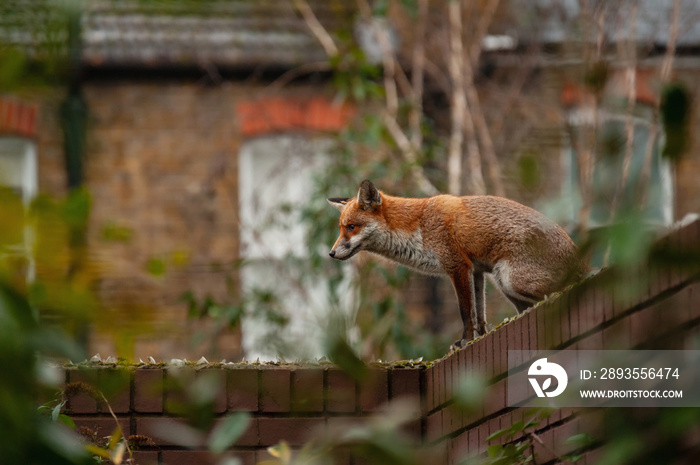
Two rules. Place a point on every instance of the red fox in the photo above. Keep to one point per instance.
(527, 255)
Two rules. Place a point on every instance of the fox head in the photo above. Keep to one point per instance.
(359, 218)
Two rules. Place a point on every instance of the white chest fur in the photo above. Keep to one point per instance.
(407, 249)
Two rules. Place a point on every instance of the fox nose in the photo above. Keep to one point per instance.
(332, 253)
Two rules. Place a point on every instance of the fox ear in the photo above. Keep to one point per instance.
(368, 196)
(338, 203)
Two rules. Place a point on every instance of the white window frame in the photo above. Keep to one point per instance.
(265, 251)
(26, 182)
(580, 118)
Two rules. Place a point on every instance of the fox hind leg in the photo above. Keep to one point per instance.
(463, 283)
(520, 304)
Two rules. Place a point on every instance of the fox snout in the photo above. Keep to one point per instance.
(344, 250)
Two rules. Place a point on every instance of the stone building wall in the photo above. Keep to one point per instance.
(162, 170)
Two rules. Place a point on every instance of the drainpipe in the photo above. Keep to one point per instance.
(73, 116)
(73, 108)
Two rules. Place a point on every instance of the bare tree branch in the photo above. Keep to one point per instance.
(417, 76)
(388, 61)
(593, 21)
(410, 155)
(485, 18)
(300, 70)
(458, 99)
(317, 28)
(667, 65)
(482, 129)
(628, 53)
(665, 77)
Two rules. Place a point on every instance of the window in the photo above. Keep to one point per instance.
(18, 172)
(648, 187)
(276, 178)
(18, 168)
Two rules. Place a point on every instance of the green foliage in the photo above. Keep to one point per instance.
(519, 442)
(529, 171)
(228, 431)
(39, 239)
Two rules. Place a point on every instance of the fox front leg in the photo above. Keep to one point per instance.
(463, 282)
(479, 302)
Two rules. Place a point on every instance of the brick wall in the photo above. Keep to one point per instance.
(660, 310)
(162, 162)
(292, 403)
(295, 403)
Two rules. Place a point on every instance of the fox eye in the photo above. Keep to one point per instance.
(350, 227)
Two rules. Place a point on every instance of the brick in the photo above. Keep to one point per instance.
(574, 310)
(592, 342)
(246, 457)
(341, 392)
(642, 325)
(545, 452)
(102, 425)
(461, 357)
(472, 414)
(168, 432)
(539, 314)
(500, 352)
(307, 390)
(295, 431)
(459, 368)
(440, 382)
(455, 373)
(473, 442)
(177, 382)
(275, 386)
(562, 433)
(565, 319)
(447, 378)
(531, 320)
(148, 390)
(449, 415)
(481, 360)
(187, 457)
(115, 384)
(435, 453)
(275, 114)
(433, 429)
(251, 436)
(81, 400)
(495, 398)
(585, 307)
(505, 421)
(460, 447)
(553, 323)
(413, 429)
(592, 457)
(374, 391)
(429, 389)
(515, 334)
(242, 390)
(215, 377)
(617, 336)
(488, 348)
(337, 426)
(484, 433)
(145, 457)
